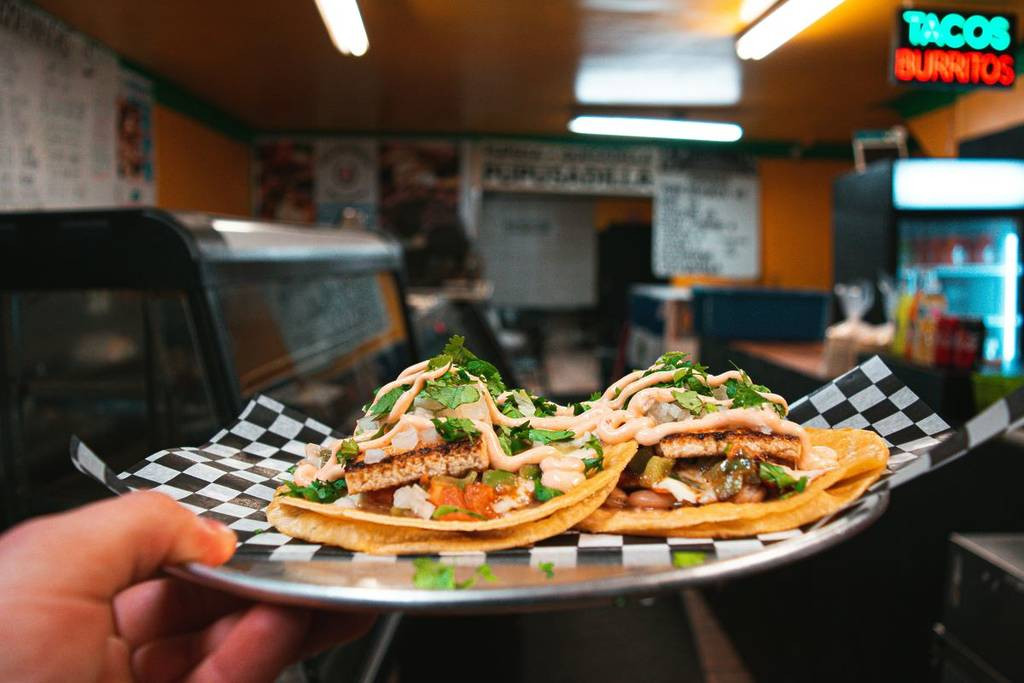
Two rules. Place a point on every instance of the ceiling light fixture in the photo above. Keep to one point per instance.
(345, 26)
(668, 129)
(779, 25)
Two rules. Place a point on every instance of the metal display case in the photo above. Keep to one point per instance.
(141, 329)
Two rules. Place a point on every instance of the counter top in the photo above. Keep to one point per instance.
(807, 358)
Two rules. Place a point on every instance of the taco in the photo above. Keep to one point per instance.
(717, 456)
(447, 457)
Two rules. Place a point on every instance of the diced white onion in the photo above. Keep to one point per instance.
(477, 410)
(423, 412)
(427, 403)
(721, 393)
(348, 502)
(429, 436)
(374, 455)
(678, 489)
(366, 425)
(405, 440)
(414, 498)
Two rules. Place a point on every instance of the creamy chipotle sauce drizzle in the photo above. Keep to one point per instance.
(608, 418)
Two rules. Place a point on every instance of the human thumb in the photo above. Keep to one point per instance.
(100, 549)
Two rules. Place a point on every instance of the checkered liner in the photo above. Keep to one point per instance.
(233, 477)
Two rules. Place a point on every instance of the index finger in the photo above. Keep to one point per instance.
(97, 550)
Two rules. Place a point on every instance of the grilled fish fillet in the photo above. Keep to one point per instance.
(752, 444)
(452, 459)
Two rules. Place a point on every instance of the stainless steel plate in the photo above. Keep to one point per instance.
(385, 583)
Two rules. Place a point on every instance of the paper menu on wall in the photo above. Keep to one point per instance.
(56, 113)
(707, 222)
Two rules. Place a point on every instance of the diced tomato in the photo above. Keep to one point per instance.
(479, 498)
(441, 493)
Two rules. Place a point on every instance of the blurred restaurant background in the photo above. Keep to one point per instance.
(206, 201)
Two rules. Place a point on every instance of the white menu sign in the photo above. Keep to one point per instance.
(707, 223)
(57, 94)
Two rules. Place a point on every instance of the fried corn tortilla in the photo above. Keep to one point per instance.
(862, 458)
(366, 531)
(387, 539)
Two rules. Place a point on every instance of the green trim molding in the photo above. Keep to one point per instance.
(173, 96)
(790, 149)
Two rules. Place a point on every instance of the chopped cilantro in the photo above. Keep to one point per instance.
(433, 575)
(548, 568)
(579, 408)
(683, 558)
(516, 439)
(291, 470)
(745, 394)
(318, 491)
(488, 373)
(445, 510)
(618, 390)
(485, 573)
(594, 444)
(544, 493)
(455, 428)
(775, 476)
(384, 404)
(450, 394)
(593, 464)
(547, 436)
(690, 401)
(348, 450)
(510, 409)
(596, 396)
(543, 407)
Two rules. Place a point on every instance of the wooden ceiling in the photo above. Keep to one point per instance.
(483, 66)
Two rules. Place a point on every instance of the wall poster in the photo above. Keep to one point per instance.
(135, 174)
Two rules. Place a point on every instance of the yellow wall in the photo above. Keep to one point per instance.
(796, 221)
(978, 113)
(198, 168)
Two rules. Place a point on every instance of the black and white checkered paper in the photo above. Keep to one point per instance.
(233, 477)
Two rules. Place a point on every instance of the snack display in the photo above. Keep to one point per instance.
(447, 458)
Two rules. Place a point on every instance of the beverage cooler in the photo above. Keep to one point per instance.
(140, 329)
(948, 229)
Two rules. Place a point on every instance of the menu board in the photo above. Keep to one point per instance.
(57, 114)
(707, 222)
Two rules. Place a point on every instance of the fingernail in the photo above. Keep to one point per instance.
(218, 529)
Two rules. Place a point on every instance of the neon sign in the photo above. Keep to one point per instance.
(946, 47)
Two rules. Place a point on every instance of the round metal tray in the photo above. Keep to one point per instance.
(386, 585)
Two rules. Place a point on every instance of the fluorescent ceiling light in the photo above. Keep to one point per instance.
(706, 79)
(752, 9)
(958, 184)
(345, 26)
(669, 129)
(781, 24)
